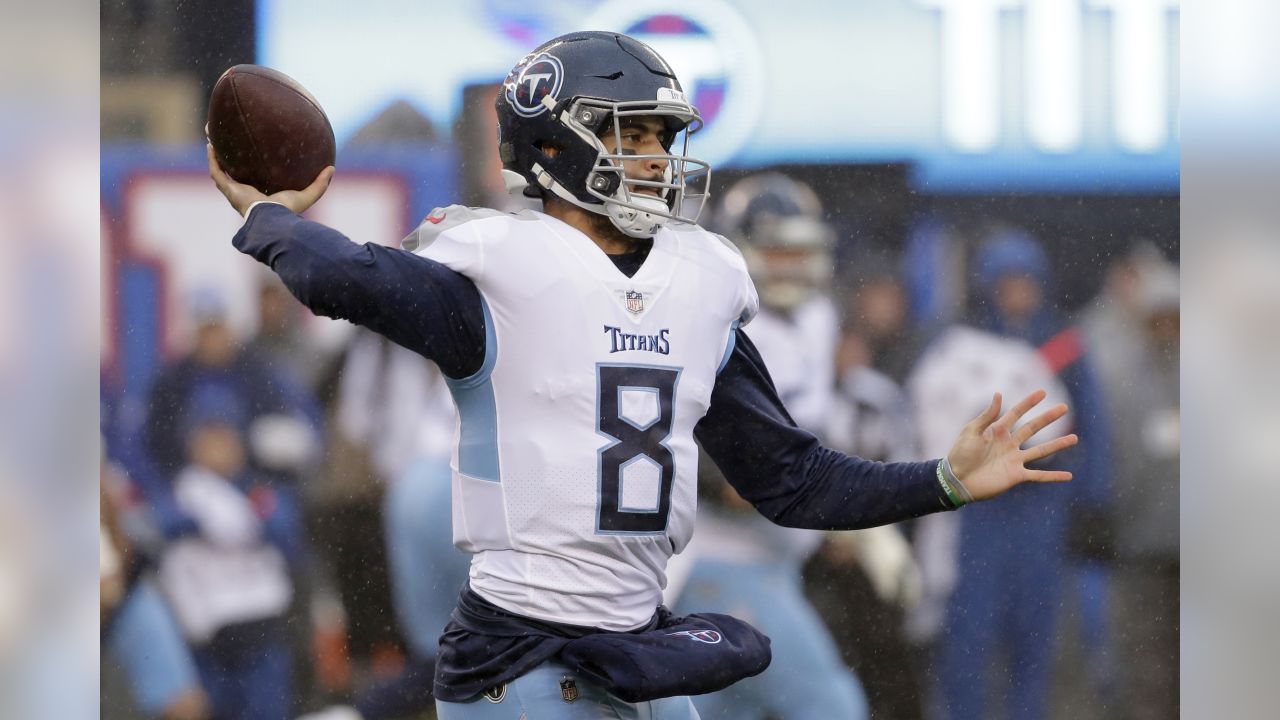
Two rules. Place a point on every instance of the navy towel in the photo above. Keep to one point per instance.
(691, 655)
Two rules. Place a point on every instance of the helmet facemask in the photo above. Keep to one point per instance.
(682, 191)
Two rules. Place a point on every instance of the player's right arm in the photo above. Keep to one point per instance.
(416, 302)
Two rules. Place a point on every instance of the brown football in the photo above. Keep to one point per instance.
(267, 130)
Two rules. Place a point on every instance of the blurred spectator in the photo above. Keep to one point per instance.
(1134, 324)
(269, 406)
(282, 340)
(138, 629)
(1002, 613)
(230, 585)
(989, 579)
(879, 319)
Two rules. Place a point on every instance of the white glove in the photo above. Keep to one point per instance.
(885, 556)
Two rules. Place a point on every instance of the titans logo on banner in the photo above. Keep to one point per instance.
(714, 54)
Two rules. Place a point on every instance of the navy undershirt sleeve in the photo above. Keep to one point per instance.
(416, 302)
(787, 474)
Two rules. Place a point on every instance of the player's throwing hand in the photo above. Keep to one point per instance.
(988, 456)
(242, 196)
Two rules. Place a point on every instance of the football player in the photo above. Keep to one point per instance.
(586, 345)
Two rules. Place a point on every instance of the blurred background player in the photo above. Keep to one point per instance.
(739, 562)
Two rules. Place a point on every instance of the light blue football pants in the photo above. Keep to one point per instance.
(806, 680)
(537, 695)
(147, 642)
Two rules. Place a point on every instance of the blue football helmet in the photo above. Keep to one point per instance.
(778, 224)
(570, 91)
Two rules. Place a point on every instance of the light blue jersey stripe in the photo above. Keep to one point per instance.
(478, 412)
(728, 350)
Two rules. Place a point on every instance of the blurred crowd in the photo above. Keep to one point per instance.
(276, 520)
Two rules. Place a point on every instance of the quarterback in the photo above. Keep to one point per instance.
(586, 347)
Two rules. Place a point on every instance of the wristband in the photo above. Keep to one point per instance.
(957, 493)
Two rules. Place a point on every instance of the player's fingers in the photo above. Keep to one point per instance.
(221, 179)
(1039, 422)
(311, 193)
(1047, 475)
(1044, 450)
(1017, 411)
(215, 170)
(988, 416)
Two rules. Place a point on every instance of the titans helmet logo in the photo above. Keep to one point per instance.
(532, 80)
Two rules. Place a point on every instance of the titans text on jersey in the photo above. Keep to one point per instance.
(621, 340)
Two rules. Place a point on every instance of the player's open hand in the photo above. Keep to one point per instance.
(988, 456)
(242, 196)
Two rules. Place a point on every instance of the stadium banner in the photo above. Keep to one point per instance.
(977, 95)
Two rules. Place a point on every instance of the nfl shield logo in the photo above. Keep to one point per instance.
(635, 301)
(568, 689)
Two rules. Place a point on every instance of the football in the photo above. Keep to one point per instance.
(267, 130)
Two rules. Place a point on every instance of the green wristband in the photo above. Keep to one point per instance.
(954, 480)
(956, 492)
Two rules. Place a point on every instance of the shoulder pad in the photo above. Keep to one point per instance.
(728, 244)
(698, 229)
(441, 219)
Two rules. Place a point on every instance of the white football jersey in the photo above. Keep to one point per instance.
(575, 469)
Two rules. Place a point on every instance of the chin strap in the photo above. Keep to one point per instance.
(634, 223)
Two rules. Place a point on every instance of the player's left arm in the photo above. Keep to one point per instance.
(793, 480)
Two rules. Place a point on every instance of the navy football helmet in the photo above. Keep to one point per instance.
(778, 224)
(573, 89)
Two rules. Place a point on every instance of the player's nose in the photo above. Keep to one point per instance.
(656, 165)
